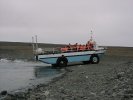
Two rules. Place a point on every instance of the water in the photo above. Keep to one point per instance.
(18, 74)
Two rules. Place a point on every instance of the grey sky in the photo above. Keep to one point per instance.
(67, 21)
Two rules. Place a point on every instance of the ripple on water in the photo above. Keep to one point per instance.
(19, 74)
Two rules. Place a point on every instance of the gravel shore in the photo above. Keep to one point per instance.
(111, 79)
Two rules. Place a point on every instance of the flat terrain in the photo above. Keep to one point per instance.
(120, 51)
(111, 79)
(24, 50)
(19, 50)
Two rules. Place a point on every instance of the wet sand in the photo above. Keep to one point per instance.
(111, 79)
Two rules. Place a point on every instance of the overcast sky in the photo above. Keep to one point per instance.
(67, 21)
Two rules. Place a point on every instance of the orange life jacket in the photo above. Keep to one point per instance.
(65, 49)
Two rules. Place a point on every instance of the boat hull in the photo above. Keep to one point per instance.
(70, 56)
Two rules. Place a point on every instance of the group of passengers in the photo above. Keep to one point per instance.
(78, 47)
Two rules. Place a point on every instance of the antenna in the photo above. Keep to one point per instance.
(36, 42)
(91, 35)
(33, 44)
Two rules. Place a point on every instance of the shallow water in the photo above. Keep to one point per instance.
(18, 74)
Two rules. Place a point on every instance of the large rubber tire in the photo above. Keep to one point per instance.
(62, 62)
(94, 59)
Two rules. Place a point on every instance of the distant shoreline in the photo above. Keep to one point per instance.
(52, 44)
(23, 50)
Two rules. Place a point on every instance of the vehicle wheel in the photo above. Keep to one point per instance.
(94, 59)
(62, 61)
